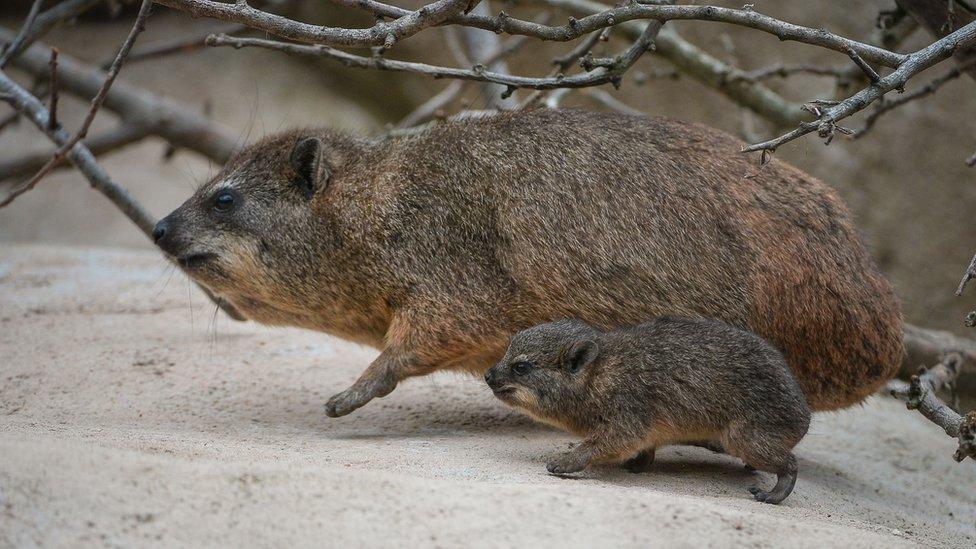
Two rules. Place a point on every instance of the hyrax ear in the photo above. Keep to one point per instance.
(308, 160)
(580, 354)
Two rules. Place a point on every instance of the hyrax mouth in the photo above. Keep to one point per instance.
(194, 261)
(506, 390)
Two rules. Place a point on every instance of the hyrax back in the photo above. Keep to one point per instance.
(627, 392)
(438, 246)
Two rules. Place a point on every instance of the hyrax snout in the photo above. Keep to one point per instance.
(436, 247)
(671, 380)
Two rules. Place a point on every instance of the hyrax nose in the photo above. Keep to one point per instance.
(159, 232)
(490, 377)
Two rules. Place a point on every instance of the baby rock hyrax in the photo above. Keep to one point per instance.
(670, 380)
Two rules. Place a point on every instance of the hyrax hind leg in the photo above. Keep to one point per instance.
(785, 479)
(765, 451)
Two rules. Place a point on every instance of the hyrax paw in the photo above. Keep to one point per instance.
(564, 464)
(762, 496)
(343, 403)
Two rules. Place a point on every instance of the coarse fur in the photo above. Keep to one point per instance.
(629, 391)
(437, 247)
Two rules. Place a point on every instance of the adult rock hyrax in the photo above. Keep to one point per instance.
(670, 380)
(437, 247)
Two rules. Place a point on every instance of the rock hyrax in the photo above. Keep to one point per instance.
(437, 247)
(672, 380)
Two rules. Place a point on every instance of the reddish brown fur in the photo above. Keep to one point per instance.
(437, 247)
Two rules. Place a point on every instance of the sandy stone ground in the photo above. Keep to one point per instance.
(131, 415)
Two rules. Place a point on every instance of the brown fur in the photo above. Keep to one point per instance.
(436, 248)
(629, 391)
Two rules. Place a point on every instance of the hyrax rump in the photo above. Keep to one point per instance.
(669, 380)
(437, 247)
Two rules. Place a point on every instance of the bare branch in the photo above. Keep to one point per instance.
(781, 70)
(967, 276)
(481, 45)
(884, 105)
(135, 106)
(98, 145)
(11, 49)
(45, 22)
(183, 44)
(96, 104)
(53, 86)
(863, 65)
(25, 103)
(935, 16)
(479, 74)
(382, 34)
(914, 64)
(891, 30)
(22, 101)
(409, 23)
(702, 66)
(920, 394)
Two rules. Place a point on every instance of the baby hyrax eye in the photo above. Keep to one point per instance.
(224, 201)
(521, 368)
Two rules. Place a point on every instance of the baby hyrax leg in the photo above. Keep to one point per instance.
(597, 447)
(641, 463)
(785, 479)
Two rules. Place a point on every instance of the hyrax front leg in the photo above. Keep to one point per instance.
(379, 380)
(593, 448)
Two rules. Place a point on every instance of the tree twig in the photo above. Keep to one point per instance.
(25, 103)
(135, 106)
(11, 49)
(45, 22)
(96, 104)
(382, 34)
(920, 393)
(884, 105)
(53, 86)
(596, 77)
(914, 64)
(606, 17)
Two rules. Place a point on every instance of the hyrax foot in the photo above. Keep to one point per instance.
(354, 397)
(641, 463)
(785, 479)
(345, 402)
(566, 463)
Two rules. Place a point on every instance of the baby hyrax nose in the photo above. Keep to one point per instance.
(160, 231)
(490, 377)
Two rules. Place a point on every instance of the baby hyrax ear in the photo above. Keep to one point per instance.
(308, 158)
(580, 354)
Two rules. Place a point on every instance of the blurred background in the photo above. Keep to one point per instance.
(906, 182)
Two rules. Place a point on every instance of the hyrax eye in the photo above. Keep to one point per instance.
(224, 201)
(521, 368)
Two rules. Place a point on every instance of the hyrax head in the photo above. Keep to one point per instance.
(544, 370)
(250, 231)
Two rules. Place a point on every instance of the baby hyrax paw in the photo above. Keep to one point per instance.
(566, 463)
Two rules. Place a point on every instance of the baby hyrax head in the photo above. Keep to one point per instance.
(248, 233)
(545, 371)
